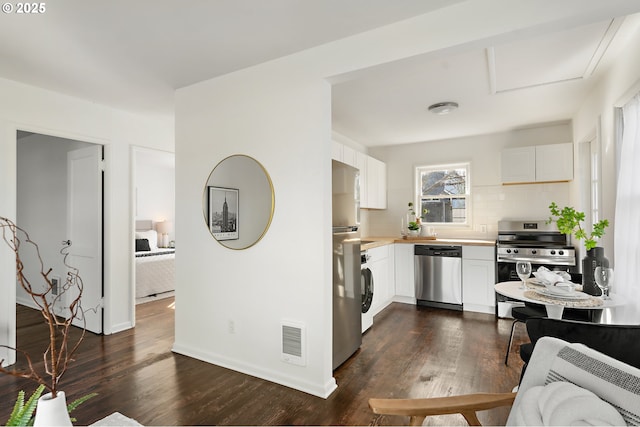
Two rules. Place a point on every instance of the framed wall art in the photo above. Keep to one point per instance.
(223, 213)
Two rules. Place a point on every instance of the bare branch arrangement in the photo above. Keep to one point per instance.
(47, 297)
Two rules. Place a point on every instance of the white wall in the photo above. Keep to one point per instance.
(24, 107)
(620, 83)
(491, 201)
(279, 113)
(259, 287)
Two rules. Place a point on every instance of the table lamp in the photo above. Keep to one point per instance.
(163, 228)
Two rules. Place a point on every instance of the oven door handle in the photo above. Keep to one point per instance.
(538, 260)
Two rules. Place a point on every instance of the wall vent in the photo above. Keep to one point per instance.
(55, 285)
(294, 342)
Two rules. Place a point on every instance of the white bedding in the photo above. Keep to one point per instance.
(155, 272)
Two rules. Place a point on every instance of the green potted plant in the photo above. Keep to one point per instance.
(414, 228)
(22, 413)
(570, 221)
(413, 221)
(51, 408)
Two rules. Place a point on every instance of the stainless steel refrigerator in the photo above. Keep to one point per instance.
(347, 295)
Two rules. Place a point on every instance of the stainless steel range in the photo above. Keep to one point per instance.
(534, 241)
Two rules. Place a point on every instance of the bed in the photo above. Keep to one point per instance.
(155, 272)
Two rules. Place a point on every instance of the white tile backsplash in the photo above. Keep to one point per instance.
(490, 204)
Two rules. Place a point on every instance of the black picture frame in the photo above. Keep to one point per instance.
(224, 212)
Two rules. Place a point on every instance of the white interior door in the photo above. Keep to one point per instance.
(84, 228)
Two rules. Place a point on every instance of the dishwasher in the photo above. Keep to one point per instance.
(438, 276)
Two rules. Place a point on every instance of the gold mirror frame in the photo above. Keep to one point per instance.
(235, 192)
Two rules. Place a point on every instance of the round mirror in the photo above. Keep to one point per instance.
(238, 202)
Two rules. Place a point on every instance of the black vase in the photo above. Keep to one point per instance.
(595, 258)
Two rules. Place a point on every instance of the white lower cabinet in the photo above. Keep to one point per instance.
(404, 268)
(478, 278)
(381, 265)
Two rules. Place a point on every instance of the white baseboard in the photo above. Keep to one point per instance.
(120, 327)
(27, 302)
(323, 390)
(476, 308)
(404, 300)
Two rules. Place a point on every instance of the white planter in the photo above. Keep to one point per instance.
(52, 412)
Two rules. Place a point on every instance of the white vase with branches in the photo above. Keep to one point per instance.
(63, 344)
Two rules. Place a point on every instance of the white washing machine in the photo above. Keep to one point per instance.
(366, 284)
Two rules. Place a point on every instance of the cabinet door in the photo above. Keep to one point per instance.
(376, 183)
(361, 163)
(518, 165)
(478, 279)
(554, 162)
(336, 151)
(404, 268)
(349, 156)
(372, 182)
(382, 185)
(380, 270)
(487, 253)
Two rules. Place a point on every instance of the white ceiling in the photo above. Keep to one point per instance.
(529, 81)
(133, 54)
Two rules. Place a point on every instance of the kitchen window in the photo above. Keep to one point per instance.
(444, 191)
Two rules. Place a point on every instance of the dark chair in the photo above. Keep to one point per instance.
(530, 311)
(520, 315)
(621, 342)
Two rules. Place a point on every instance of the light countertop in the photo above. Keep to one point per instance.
(374, 242)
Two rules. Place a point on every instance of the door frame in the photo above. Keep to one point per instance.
(105, 219)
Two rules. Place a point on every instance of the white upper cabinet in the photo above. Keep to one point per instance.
(541, 163)
(376, 184)
(373, 175)
(554, 162)
(349, 156)
(336, 151)
(519, 165)
(361, 163)
(344, 153)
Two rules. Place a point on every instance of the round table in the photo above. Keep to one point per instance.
(554, 307)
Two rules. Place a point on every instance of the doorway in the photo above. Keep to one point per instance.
(153, 181)
(60, 199)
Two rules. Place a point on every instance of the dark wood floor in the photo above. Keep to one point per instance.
(409, 352)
